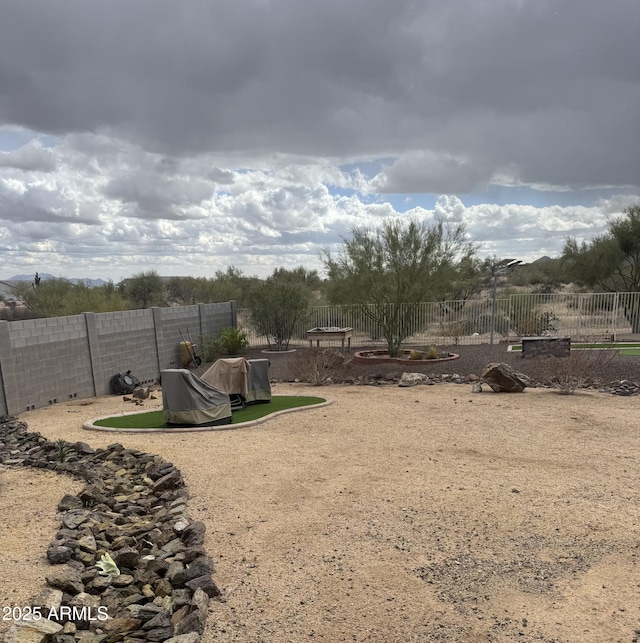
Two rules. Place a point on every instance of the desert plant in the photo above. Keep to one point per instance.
(534, 322)
(431, 353)
(580, 369)
(232, 340)
(454, 329)
(414, 354)
(320, 366)
(227, 341)
(62, 450)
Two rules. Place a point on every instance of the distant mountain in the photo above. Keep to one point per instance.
(45, 275)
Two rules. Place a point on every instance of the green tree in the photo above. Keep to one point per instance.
(389, 271)
(611, 262)
(184, 291)
(61, 297)
(228, 285)
(277, 305)
(299, 275)
(48, 299)
(144, 290)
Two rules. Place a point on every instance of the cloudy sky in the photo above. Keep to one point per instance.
(187, 136)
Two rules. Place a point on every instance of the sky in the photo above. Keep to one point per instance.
(186, 137)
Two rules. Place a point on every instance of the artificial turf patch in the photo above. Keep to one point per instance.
(155, 419)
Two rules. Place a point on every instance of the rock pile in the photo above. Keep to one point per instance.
(409, 379)
(134, 508)
(622, 387)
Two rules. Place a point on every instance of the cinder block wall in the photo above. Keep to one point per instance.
(48, 361)
(171, 321)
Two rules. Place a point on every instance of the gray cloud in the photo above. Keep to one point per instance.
(429, 172)
(195, 135)
(30, 157)
(543, 87)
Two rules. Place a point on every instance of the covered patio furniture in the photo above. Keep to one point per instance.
(187, 400)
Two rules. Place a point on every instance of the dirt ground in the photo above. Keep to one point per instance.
(419, 514)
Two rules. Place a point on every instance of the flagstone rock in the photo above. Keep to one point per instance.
(58, 554)
(32, 631)
(194, 534)
(69, 502)
(49, 599)
(67, 580)
(191, 637)
(206, 584)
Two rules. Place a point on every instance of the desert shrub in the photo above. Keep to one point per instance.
(534, 323)
(580, 369)
(232, 341)
(431, 353)
(320, 366)
(228, 341)
(455, 329)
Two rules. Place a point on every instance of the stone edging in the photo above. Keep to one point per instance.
(90, 426)
(369, 357)
(134, 507)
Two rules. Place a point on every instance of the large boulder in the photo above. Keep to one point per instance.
(503, 379)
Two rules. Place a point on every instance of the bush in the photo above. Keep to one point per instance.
(534, 323)
(320, 367)
(578, 370)
(228, 341)
(232, 341)
(431, 353)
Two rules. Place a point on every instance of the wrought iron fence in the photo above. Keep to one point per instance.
(581, 316)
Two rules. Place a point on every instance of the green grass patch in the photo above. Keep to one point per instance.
(632, 348)
(155, 419)
(629, 351)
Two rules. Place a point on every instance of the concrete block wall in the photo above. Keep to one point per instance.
(50, 362)
(125, 341)
(57, 359)
(171, 321)
(216, 316)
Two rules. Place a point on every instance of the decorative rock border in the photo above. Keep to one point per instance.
(134, 507)
(369, 357)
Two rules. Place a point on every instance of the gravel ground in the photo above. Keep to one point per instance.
(393, 515)
(471, 361)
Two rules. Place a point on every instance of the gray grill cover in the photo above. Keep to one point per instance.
(259, 385)
(189, 401)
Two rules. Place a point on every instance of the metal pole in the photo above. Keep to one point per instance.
(493, 308)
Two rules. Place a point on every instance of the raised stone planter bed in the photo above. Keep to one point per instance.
(382, 357)
(134, 508)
